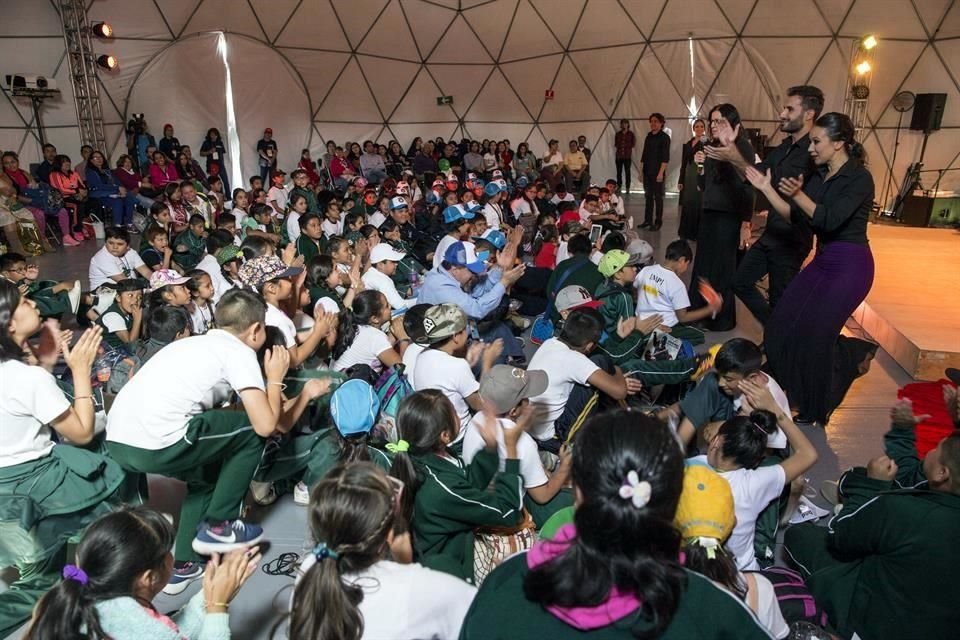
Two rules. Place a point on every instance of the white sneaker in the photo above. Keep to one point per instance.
(263, 493)
(301, 494)
(74, 295)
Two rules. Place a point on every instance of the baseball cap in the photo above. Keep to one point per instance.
(163, 277)
(257, 272)
(492, 188)
(496, 174)
(504, 386)
(384, 251)
(494, 237)
(406, 172)
(571, 226)
(268, 130)
(614, 260)
(354, 407)
(642, 249)
(398, 203)
(442, 321)
(457, 212)
(706, 505)
(472, 209)
(575, 297)
(463, 254)
(360, 182)
(228, 253)
(522, 181)
(402, 188)
(438, 183)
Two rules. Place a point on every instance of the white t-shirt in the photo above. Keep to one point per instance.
(240, 215)
(293, 226)
(567, 197)
(201, 317)
(184, 379)
(410, 356)
(660, 290)
(562, 252)
(530, 466)
(436, 369)
(441, 249)
(220, 284)
(366, 348)
(777, 439)
(519, 207)
(493, 214)
(768, 609)
(555, 159)
(408, 600)
(753, 490)
(29, 400)
(278, 194)
(104, 265)
(565, 368)
(383, 283)
(331, 228)
(377, 218)
(277, 318)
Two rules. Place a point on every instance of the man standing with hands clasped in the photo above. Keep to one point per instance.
(654, 161)
(783, 246)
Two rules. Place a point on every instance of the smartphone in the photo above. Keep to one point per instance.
(595, 232)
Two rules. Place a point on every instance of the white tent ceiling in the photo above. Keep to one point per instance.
(357, 69)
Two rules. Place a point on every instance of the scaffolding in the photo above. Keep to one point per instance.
(83, 72)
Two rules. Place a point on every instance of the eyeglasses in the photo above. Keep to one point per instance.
(717, 123)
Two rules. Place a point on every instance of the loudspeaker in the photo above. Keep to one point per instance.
(916, 211)
(928, 111)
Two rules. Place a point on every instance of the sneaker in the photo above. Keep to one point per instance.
(183, 574)
(226, 537)
(301, 494)
(79, 237)
(263, 493)
(74, 296)
(68, 241)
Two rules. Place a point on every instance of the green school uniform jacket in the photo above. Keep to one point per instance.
(325, 455)
(309, 248)
(618, 302)
(454, 499)
(501, 612)
(574, 271)
(195, 245)
(899, 577)
(900, 445)
(312, 205)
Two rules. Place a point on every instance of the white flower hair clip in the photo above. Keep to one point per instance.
(636, 491)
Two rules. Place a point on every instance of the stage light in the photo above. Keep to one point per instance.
(107, 62)
(863, 68)
(868, 43)
(102, 30)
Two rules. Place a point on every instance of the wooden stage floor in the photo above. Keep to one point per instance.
(913, 310)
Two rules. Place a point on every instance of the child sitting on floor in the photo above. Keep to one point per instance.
(190, 245)
(121, 322)
(157, 254)
(201, 307)
(53, 299)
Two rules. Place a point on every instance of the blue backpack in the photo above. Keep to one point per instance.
(391, 388)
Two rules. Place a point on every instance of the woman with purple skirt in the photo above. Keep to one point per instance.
(801, 336)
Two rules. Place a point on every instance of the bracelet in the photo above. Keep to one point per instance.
(402, 340)
(282, 385)
(83, 398)
(207, 605)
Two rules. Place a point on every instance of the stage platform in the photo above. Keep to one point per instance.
(913, 310)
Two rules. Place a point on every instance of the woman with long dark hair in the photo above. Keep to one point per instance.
(725, 218)
(106, 189)
(122, 563)
(215, 152)
(615, 572)
(691, 198)
(801, 336)
(358, 582)
(48, 492)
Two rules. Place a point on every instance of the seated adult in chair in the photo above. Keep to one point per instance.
(576, 172)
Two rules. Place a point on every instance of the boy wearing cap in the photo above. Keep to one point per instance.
(577, 270)
(456, 222)
(446, 364)
(506, 391)
(662, 292)
(122, 319)
(270, 277)
(379, 277)
(165, 421)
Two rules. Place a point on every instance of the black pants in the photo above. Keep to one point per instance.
(653, 194)
(623, 173)
(781, 263)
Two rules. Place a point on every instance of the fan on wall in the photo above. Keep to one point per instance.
(902, 102)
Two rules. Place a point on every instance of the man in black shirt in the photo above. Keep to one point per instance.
(45, 167)
(654, 161)
(783, 246)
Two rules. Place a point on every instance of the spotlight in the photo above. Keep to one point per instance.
(868, 43)
(102, 30)
(863, 68)
(107, 62)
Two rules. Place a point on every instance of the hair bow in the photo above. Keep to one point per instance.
(636, 490)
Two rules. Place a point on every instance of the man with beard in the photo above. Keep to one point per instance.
(784, 244)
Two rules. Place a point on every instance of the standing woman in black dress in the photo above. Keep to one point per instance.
(724, 219)
(801, 336)
(691, 199)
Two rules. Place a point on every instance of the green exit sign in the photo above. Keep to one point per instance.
(442, 100)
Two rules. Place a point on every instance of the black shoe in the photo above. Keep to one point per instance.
(805, 420)
(656, 226)
(645, 225)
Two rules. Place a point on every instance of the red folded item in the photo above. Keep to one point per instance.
(927, 397)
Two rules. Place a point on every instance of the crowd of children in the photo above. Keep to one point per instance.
(294, 340)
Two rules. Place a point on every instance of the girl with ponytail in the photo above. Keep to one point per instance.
(615, 572)
(123, 561)
(350, 587)
(801, 336)
(360, 339)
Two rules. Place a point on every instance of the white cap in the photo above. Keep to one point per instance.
(327, 304)
(641, 248)
(384, 251)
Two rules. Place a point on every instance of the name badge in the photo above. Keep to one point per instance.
(215, 155)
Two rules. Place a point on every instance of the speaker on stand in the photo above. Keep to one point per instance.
(927, 117)
(902, 102)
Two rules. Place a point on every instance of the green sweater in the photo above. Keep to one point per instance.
(454, 499)
(897, 568)
(618, 303)
(501, 612)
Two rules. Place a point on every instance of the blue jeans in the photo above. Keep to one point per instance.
(375, 176)
(121, 209)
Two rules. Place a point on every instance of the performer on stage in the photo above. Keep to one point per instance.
(691, 199)
(725, 219)
(782, 247)
(802, 333)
